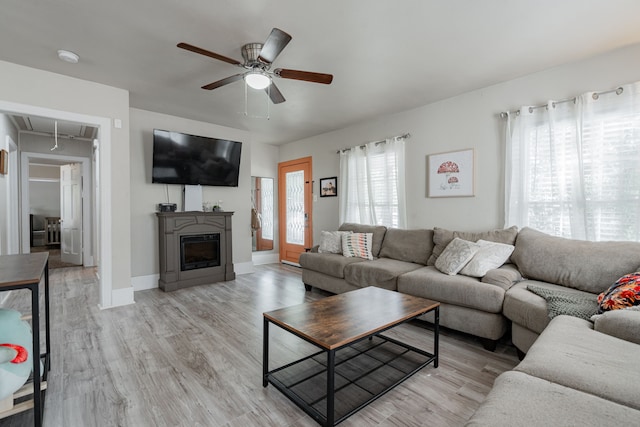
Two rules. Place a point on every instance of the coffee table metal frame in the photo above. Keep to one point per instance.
(328, 419)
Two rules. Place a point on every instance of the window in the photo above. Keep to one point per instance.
(572, 167)
(372, 184)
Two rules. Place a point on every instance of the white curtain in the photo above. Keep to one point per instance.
(572, 167)
(372, 184)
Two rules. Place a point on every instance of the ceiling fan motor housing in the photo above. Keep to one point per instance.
(250, 53)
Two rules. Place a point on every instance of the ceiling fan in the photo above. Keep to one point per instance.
(258, 59)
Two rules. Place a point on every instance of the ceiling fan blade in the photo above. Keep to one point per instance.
(208, 53)
(276, 41)
(275, 94)
(223, 82)
(306, 76)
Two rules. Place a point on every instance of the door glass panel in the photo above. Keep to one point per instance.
(295, 207)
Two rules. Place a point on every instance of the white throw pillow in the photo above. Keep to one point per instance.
(331, 242)
(357, 245)
(456, 255)
(490, 255)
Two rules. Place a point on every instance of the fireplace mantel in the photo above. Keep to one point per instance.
(172, 226)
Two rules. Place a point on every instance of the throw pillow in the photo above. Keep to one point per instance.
(456, 255)
(624, 293)
(357, 245)
(559, 302)
(331, 242)
(490, 255)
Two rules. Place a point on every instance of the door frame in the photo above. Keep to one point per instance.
(103, 194)
(13, 214)
(87, 214)
(282, 200)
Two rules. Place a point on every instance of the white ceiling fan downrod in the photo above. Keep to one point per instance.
(55, 134)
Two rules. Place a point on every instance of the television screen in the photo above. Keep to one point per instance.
(179, 158)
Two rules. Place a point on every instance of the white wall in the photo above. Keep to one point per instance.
(66, 147)
(145, 196)
(44, 198)
(32, 87)
(470, 120)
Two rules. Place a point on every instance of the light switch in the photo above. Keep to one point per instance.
(117, 123)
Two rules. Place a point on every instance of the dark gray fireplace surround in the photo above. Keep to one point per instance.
(174, 225)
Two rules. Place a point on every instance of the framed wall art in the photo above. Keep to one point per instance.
(451, 174)
(329, 187)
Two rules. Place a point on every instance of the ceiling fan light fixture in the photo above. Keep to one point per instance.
(257, 80)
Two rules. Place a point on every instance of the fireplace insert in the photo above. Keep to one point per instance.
(199, 251)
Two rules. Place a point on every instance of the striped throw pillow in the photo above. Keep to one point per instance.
(357, 245)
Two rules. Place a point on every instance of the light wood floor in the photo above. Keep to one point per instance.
(194, 358)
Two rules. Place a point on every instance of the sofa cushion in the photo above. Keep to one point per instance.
(442, 237)
(624, 293)
(377, 230)
(331, 264)
(588, 266)
(357, 245)
(623, 324)
(456, 255)
(505, 276)
(570, 353)
(382, 273)
(490, 256)
(560, 301)
(465, 291)
(331, 242)
(407, 245)
(527, 309)
(521, 400)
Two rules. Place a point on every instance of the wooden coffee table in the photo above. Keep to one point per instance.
(356, 364)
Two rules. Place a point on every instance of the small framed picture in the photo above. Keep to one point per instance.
(329, 187)
(451, 174)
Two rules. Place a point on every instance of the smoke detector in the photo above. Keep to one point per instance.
(68, 56)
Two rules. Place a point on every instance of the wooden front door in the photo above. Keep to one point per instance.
(294, 209)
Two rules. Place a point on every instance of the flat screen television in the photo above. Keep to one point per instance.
(179, 158)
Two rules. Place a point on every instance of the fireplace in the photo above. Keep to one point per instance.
(195, 249)
(199, 251)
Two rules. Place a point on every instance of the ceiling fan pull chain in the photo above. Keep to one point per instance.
(246, 100)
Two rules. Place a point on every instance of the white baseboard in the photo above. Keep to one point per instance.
(120, 297)
(260, 259)
(243, 267)
(142, 283)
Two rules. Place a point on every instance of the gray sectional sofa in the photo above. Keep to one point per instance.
(576, 372)
(404, 261)
(579, 268)
(485, 307)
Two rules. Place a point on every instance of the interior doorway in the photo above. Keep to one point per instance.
(44, 228)
(102, 191)
(294, 210)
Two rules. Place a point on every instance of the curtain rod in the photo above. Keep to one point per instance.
(595, 96)
(403, 136)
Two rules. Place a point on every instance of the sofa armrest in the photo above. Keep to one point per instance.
(623, 324)
(313, 249)
(505, 276)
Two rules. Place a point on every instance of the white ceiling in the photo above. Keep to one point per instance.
(385, 56)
